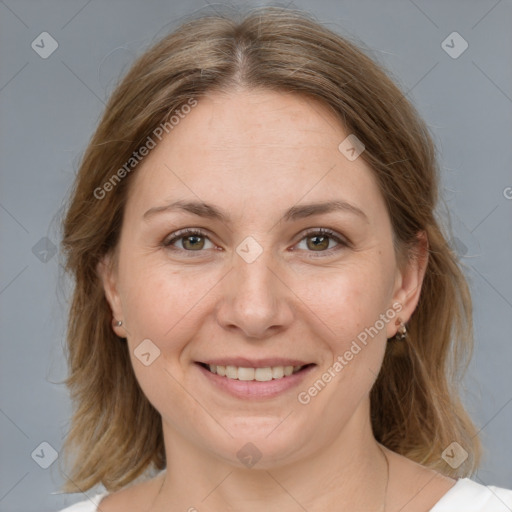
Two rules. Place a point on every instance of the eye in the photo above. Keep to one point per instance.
(192, 240)
(195, 240)
(319, 240)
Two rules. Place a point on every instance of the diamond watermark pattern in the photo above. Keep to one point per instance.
(44, 45)
(454, 455)
(249, 455)
(146, 352)
(249, 249)
(454, 45)
(44, 455)
(351, 147)
(44, 250)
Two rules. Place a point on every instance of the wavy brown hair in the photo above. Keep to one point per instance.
(116, 434)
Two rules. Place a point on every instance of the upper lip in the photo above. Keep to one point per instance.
(254, 363)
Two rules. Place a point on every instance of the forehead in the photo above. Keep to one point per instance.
(258, 122)
(253, 148)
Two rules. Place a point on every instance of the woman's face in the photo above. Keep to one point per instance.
(256, 285)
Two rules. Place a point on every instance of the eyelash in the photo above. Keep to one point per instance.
(184, 233)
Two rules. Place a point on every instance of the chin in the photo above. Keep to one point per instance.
(262, 443)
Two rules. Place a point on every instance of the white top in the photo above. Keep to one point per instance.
(465, 495)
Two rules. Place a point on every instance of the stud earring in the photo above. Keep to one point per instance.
(401, 333)
(118, 323)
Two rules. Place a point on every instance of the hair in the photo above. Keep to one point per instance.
(416, 409)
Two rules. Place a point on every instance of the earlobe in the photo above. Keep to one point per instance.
(108, 278)
(410, 278)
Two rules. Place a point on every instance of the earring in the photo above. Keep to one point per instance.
(401, 333)
(118, 323)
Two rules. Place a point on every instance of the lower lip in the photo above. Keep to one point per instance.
(254, 388)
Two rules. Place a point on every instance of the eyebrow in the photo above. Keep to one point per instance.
(292, 214)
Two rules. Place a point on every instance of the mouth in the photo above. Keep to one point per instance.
(259, 374)
(262, 381)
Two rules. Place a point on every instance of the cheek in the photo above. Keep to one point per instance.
(151, 304)
(347, 299)
(163, 303)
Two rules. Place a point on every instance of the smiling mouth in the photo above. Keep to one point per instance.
(254, 374)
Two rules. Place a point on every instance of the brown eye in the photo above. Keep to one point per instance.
(317, 242)
(320, 241)
(193, 242)
(190, 240)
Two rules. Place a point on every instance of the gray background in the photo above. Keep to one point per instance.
(50, 107)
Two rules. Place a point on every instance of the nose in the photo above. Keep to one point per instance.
(255, 299)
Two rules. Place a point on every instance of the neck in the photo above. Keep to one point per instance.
(349, 474)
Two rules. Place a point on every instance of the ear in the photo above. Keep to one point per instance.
(107, 272)
(409, 280)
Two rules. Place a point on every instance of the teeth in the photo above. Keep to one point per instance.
(245, 373)
(231, 372)
(258, 374)
(277, 372)
(262, 374)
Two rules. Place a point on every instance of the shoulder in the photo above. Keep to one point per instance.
(429, 490)
(90, 505)
(133, 497)
(475, 497)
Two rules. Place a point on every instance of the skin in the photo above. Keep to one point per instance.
(255, 154)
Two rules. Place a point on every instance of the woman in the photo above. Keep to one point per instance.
(265, 303)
